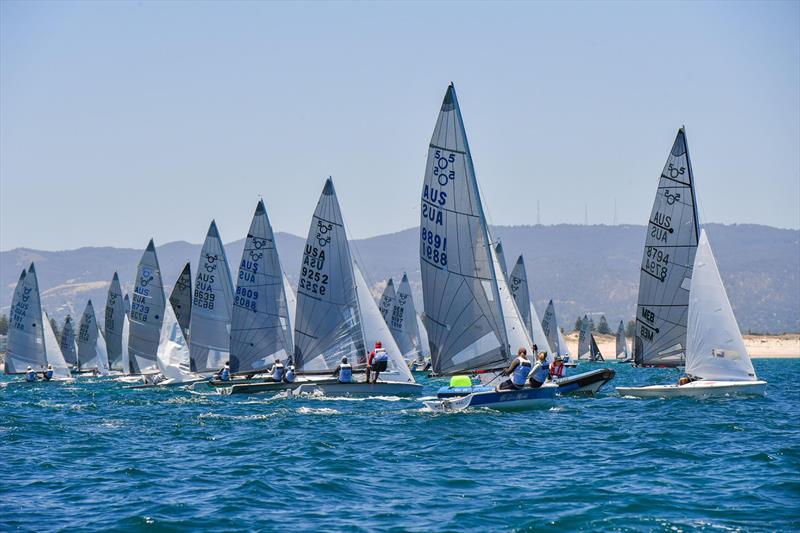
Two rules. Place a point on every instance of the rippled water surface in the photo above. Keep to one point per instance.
(92, 455)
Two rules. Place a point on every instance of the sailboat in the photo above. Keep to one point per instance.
(405, 327)
(584, 342)
(181, 299)
(623, 355)
(116, 328)
(212, 307)
(595, 356)
(69, 349)
(684, 312)
(472, 320)
(173, 355)
(554, 336)
(261, 326)
(92, 350)
(336, 316)
(31, 339)
(146, 314)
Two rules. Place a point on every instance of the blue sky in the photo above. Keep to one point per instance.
(121, 121)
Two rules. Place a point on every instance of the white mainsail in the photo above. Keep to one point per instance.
(67, 341)
(388, 299)
(92, 351)
(622, 343)
(212, 306)
(327, 321)
(52, 348)
(374, 328)
(516, 331)
(520, 289)
(425, 349)
(115, 316)
(291, 301)
(181, 299)
(126, 336)
(173, 351)
(666, 271)
(463, 313)
(260, 326)
(146, 314)
(25, 333)
(127, 301)
(715, 348)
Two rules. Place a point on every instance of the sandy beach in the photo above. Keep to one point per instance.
(758, 346)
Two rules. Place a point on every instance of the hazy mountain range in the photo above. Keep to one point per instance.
(582, 268)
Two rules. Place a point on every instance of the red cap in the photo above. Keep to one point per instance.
(377, 344)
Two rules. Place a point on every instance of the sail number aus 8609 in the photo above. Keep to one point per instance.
(434, 247)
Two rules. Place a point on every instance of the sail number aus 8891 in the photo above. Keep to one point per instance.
(434, 247)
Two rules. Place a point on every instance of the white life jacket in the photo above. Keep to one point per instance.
(381, 355)
(289, 376)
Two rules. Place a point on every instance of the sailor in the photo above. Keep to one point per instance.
(540, 372)
(30, 375)
(685, 380)
(344, 371)
(380, 361)
(557, 368)
(519, 369)
(277, 370)
(225, 373)
(48, 374)
(370, 359)
(289, 376)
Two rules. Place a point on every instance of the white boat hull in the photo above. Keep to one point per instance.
(697, 389)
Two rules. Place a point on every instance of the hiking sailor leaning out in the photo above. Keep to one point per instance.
(519, 369)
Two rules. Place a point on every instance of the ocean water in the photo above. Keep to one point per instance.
(94, 456)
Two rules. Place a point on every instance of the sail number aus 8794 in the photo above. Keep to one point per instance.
(655, 262)
(434, 247)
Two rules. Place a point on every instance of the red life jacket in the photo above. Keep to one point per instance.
(557, 369)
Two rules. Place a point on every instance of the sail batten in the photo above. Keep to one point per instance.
(667, 260)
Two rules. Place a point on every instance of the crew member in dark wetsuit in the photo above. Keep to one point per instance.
(519, 369)
(48, 374)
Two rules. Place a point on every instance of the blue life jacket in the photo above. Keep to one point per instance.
(289, 377)
(225, 375)
(30, 376)
(48, 375)
(345, 373)
(542, 372)
(277, 372)
(521, 372)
